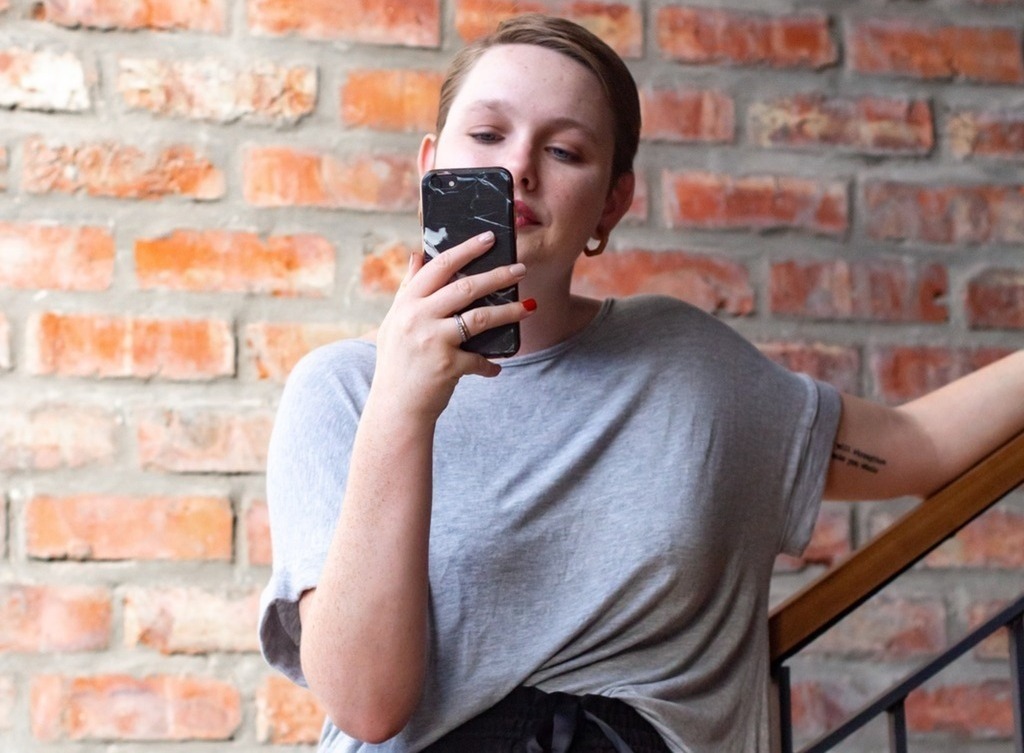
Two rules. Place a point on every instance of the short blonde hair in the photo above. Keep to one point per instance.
(572, 40)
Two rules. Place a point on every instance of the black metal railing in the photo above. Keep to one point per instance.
(893, 702)
(814, 609)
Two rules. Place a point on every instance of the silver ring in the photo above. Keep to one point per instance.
(463, 332)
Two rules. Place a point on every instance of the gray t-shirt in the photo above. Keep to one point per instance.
(606, 516)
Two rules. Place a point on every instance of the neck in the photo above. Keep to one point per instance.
(559, 316)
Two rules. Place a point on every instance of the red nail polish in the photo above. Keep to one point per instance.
(530, 304)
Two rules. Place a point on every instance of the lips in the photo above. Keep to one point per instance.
(524, 215)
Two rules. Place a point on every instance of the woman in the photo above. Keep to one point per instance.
(570, 550)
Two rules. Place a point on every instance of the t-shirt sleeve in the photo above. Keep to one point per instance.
(307, 462)
(815, 433)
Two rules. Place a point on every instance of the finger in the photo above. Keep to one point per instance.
(461, 327)
(480, 366)
(443, 267)
(463, 291)
(483, 318)
(414, 265)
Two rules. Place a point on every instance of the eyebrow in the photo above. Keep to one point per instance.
(500, 106)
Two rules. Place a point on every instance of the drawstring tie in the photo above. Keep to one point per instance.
(556, 732)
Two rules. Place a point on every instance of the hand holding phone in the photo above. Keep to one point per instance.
(459, 204)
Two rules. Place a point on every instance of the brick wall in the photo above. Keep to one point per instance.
(193, 193)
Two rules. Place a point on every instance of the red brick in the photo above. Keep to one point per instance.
(391, 100)
(830, 541)
(190, 620)
(257, 534)
(987, 134)
(995, 299)
(45, 619)
(8, 699)
(275, 347)
(411, 23)
(619, 24)
(101, 527)
(50, 437)
(819, 706)
(978, 711)
(944, 214)
(996, 646)
(869, 290)
(888, 628)
(43, 80)
(287, 714)
(721, 202)
(210, 89)
(384, 268)
(124, 708)
(907, 47)
(836, 364)
(5, 343)
(93, 345)
(687, 115)
(904, 372)
(161, 15)
(236, 262)
(709, 283)
(120, 171)
(52, 257)
(711, 201)
(281, 176)
(993, 541)
(200, 440)
(705, 35)
(868, 125)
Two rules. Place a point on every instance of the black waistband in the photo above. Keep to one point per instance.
(532, 721)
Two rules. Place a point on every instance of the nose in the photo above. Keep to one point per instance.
(520, 160)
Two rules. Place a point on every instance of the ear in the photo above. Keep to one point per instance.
(619, 199)
(428, 149)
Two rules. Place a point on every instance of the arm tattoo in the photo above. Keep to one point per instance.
(855, 458)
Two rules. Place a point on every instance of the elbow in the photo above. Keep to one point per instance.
(369, 710)
(375, 735)
(368, 693)
(369, 722)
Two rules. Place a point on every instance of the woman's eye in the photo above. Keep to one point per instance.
(564, 155)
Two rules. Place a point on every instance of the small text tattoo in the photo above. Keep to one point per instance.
(854, 458)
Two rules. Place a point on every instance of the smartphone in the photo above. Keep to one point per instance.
(459, 204)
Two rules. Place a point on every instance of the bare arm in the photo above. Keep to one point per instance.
(921, 446)
(364, 627)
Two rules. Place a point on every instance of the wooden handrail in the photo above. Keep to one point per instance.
(815, 608)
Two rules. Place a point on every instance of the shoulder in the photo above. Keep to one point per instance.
(659, 333)
(663, 307)
(330, 376)
(341, 360)
(658, 317)
(320, 406)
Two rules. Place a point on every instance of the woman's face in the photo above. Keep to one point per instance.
(543, 117)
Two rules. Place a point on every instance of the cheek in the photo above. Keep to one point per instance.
(583, 203)
(452, 158)
(451, 153)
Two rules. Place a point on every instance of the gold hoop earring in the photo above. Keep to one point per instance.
(602, 242)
